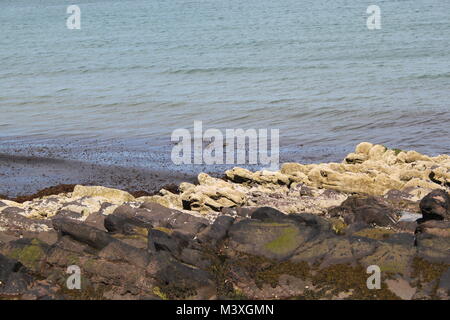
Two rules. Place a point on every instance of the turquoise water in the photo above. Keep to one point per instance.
(139, 69)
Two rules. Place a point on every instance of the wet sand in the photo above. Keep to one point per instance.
(26, 175)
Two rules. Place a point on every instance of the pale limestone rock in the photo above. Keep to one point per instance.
(273, 177)
(111, 195)
(356, 158)
(424, 184)
(376, 152)
(11, 204)
(442, 175)
(412, 156)
(239, 174)
(292, 168)
(363, 147)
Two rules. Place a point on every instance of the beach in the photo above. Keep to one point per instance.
(307, 231)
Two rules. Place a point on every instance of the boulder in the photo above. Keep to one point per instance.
(83, 233)
(216, 232)
(14, 279)
(435, 206)
(368, 210)
(111, 195)
(272, 234)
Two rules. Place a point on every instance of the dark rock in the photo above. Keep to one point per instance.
(437, 228)
(13, 221)
(326, 250)
(120, 251)
(443, 290)
(14, 279)
(12, 211)
(268, 214)
(216, 232)
(273, 236)
(369, 210)
(30, 252)
(68, 214)
(195, 258)
(435, 206)
(161, 240)
(152, 215)
(408, 226)
(179, 280)
(96, 220)
(433, 241)
(43, 290)
(81, 232)
(401, 200)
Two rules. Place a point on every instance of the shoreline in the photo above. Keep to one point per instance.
(25, 176)
(303, 232)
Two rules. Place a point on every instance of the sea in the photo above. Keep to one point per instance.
(114, 90)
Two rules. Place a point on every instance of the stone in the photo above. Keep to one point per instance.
(272, 234)
(368, 210)
(401, 288)
(29, 252)
(151, 215)
(14, 279)
(216, 232)
(435, 206)
(112, 195)
(83, 233)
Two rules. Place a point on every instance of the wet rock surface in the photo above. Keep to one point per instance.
(304, 232)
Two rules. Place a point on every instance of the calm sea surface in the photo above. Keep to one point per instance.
(139, 69)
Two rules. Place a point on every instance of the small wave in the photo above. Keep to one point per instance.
(434, 76)
(216, 69)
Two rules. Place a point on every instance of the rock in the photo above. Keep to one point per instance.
(435, 206)
(433, 241)
(179, 280)
(13, 221)
(211, 195)
(29, 252)
(356, 158)
(111, 195)
(363, 148)
(271, 234)
(326, 250)
(268, 214)
(152, 215)
(401, 288)
(216, 232)
(83, 233)
(368, 210)
(160, 240)
(14, 279)
(120, 251)
(443, 290)
(96, 220)
(43, 290)
(392, 258)
(13, 211)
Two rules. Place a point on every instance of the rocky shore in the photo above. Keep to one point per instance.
(303, 232)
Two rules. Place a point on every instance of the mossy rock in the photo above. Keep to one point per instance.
(30, 255)
(286, 242)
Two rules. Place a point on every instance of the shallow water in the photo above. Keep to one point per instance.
(139, 69)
